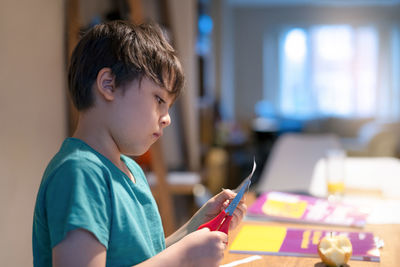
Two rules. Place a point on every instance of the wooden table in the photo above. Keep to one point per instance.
(390, 253)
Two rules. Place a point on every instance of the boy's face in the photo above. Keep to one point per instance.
(139, 115)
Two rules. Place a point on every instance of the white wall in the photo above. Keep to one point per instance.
(32, 114)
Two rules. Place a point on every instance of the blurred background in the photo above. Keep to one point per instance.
(256, 70)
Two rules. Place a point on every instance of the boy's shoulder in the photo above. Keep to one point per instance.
(77, 157)
(74, 154)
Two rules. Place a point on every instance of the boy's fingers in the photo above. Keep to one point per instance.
(226, 194)
(240, 211)
(222, 236)
(228, 200)
(205, 229)
(238, 215)
(225, 204)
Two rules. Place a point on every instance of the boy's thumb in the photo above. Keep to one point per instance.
(205, 229)
(224, 195)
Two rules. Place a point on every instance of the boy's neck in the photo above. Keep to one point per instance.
(91, 129)
(108, 152)
(91, 132)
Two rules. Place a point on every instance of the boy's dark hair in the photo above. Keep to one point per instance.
(130, 51)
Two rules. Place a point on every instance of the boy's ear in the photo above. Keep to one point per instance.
(106, 83)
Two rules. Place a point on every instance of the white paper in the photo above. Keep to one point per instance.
(245, 260)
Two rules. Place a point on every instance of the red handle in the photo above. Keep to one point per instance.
(219, 223)
(225, 225)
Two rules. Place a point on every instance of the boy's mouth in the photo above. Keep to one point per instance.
(157, 135)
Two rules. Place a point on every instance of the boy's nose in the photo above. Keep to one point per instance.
(165, 120)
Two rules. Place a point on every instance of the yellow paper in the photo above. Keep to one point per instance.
(259, 238)
(285, 209)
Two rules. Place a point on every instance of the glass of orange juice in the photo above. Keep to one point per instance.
(335, 171)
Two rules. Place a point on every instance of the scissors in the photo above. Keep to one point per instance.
(221, 222)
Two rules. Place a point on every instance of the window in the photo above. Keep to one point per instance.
(329, 70)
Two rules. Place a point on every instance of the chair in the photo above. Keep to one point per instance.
(375, 139)
(292, 160)
(165, 185)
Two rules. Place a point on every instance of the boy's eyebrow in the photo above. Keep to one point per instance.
(171, 99)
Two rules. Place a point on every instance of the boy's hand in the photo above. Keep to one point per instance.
(204, 247)
(209, 211)
(220, 202)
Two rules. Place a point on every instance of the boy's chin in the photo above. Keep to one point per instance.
(143, 151)
(135, 153)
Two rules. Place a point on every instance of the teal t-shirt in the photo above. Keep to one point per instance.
(83, 189)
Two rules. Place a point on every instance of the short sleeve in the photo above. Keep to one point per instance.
(77, 196)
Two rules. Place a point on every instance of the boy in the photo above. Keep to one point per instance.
(94, 206)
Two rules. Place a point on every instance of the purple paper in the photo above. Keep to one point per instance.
(301, 242)
(300, 208)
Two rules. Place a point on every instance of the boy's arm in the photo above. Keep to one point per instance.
(207, 212)
(202, 248)
(79, 248)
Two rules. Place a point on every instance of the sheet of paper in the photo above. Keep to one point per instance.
(248, 177)
(279, 240)
(242, 261)
(380, 210)
(306, 209)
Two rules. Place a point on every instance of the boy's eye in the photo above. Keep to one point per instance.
(159, 100)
